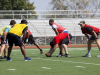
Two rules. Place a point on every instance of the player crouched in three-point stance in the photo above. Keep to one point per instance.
(14, 38)
(95, 36)
(58, 29)
(30, 40)
(62, 38)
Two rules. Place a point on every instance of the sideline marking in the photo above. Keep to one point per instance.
(45, 68)
(11, 69)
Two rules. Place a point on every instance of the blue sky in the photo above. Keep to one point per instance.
(41, 4)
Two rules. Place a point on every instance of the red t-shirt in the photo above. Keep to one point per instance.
(96, 30)
(59, 38)
(60, 28)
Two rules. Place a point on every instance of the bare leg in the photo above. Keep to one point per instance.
(5, 51)
(65, 48)
(89, 44)
(98, 43)
(37, 45)
(61, 49)
(53, 49)
(89, 48)
(2, 49)
(23, 50)
(9, 50)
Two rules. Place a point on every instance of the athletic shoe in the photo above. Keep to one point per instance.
(28, 59)
(48, 55)
(41, 52)
(1, 57)
(66, 55)
(87, 55)
(59, 55)
(5, 57)
(9, 59)
(98, 55)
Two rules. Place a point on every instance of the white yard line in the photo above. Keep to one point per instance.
(69, 61)
(80, 66)
(45, 68)
(11, 69)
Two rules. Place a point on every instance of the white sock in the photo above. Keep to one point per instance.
(88, 52)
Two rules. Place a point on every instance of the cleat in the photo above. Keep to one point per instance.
(5, 57)
(9, 59)
(41, 52)
(87, 55)
(59, 55)
(1, 57)
(98, 55)
(66, 55)
(28, 59)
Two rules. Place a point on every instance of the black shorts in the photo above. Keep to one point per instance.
(30, 40)
(2, 41)
(66, 40)
(14, 39)
(93, 37)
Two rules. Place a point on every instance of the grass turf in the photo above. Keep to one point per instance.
(42, 65)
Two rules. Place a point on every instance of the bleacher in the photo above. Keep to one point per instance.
(41, 28)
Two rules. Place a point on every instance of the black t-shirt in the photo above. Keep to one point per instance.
(25, 29)
(89, 29)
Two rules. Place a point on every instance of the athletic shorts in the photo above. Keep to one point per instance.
(2, 41)
(93, 38)
(66, 40)
(14, 39)
(30, 40)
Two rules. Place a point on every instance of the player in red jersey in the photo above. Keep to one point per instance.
(61, 39)
(30, 40)
(58, 29)
(95, 36)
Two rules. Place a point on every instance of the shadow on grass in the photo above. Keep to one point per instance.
(2, 60)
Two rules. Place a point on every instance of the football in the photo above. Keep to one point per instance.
(48, 55)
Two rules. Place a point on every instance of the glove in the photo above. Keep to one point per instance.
(26, 40)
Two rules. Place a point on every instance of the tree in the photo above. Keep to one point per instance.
(18, 5)
(62, 5)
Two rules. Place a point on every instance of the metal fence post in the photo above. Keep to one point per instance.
(13, 14)
(45, 36)
(75, 35)
(27, 14)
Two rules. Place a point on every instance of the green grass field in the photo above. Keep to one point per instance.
(42, 65)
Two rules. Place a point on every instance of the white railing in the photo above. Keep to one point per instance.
(47, 14)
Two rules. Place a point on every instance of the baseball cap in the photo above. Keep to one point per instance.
(24, 21)
(81, 22)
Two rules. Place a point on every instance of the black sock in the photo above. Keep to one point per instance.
(60, 53)
(41, 50)
(66, 54)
